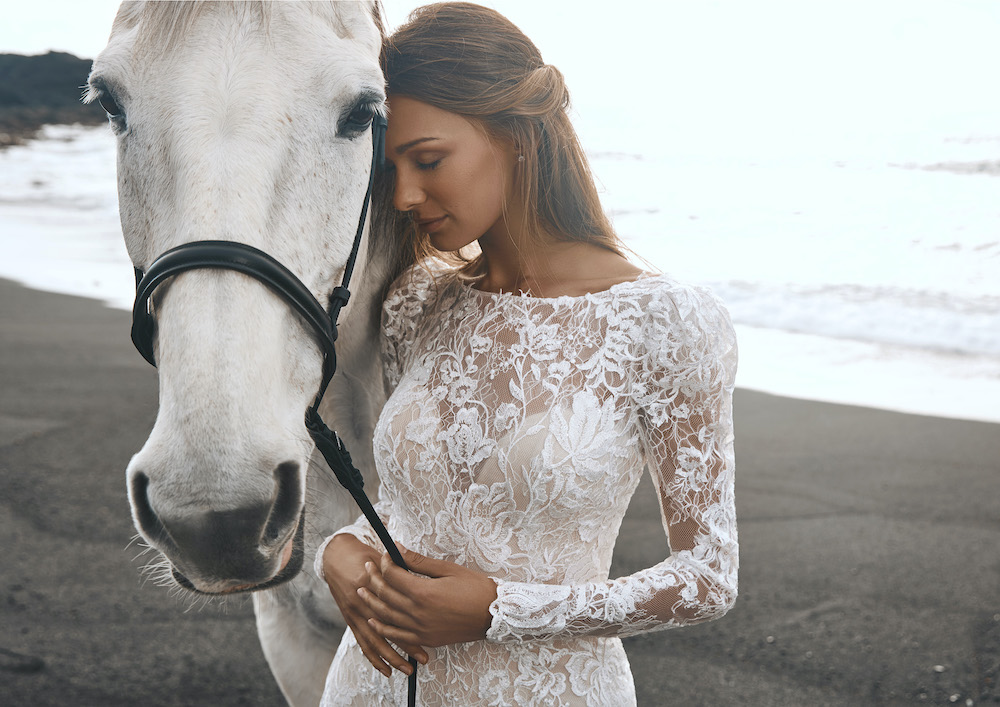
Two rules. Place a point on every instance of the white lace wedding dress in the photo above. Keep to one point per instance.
(514, 437)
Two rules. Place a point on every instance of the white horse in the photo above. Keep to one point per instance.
(250, 122)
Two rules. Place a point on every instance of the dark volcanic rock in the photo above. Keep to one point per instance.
(36, 90)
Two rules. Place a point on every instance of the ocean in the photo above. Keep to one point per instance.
(857, 280)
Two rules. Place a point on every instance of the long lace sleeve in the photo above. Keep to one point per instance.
(682, 394)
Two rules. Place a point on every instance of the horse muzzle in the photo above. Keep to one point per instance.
(215, 552)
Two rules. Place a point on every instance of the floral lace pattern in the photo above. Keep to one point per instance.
(514, 437)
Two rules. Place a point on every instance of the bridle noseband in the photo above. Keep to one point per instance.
(230, 255)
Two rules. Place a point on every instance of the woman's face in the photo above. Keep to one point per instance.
(449, 176)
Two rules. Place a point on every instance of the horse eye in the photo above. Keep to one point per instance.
(360, 118)
(109, 105)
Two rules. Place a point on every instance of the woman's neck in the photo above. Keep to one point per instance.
(547, 267)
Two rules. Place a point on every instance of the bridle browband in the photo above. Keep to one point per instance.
(230, 255)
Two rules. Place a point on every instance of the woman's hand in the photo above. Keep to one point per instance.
(443, 603)
(344, 569)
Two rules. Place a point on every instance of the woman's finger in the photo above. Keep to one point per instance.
(396, 635)
(414, 651)
(383, 611)
(373, 646)
(420, 564)
(403, 648)
(380, 652)
(367, 643)
(374, 659)
(406, 641)
(395, 576)
(394, 596)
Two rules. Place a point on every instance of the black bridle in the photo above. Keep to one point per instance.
(248, 260)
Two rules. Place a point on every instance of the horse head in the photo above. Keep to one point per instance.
(246, 122)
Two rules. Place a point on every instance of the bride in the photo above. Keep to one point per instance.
(533, 372)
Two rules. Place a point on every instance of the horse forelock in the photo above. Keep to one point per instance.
(164, 25)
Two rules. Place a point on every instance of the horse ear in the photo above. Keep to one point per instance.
(362, 21)
(378, 17)
(127, 16)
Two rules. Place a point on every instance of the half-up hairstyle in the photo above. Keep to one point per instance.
(473, 61)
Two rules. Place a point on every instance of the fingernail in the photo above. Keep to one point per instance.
(369, 566)
(361, 592)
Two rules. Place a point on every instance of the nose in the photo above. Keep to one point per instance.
(408, 193)
(237, 546)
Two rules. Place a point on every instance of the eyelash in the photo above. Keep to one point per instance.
(428, 165)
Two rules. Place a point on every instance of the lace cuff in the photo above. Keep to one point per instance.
(318, 559)
(519, 613)
(539, 612)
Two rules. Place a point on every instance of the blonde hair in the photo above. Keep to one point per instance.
(473, 61)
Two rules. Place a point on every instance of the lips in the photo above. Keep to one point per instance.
(430, 225)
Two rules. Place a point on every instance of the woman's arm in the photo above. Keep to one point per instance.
(683, 391)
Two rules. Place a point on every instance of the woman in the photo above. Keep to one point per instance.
(529, 385)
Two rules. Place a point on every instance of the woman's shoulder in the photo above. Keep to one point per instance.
(413, 296)
(408, 302)
(419, 285)
(678, 318)
(419, 278)
(663, 295)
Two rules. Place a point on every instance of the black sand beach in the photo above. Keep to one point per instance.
(870, 562)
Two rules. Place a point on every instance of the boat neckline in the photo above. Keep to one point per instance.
(528, 297)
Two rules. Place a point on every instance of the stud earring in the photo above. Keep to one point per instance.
(520, 158)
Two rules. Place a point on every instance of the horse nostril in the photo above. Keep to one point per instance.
(285, 510)
(147, 520)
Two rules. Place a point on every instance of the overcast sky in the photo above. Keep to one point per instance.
(794, 72)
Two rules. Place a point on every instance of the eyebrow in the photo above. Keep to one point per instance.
(407, 145)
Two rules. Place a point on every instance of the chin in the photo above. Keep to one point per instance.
(447, 241)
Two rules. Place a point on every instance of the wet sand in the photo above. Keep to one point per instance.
(870, 550)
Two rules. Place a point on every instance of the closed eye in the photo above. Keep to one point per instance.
(428, 165)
